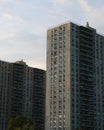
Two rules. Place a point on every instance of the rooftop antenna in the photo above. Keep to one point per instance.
(87, 24)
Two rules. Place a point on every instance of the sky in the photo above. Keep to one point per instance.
(24, 24)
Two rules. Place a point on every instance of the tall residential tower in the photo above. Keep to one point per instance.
(22, 92)
(75, 76)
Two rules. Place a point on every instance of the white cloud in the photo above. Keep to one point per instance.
(61, 1)
(85, 5)
(94, 15)
(6, 36)
(2, 0)
(91, 11)
(10, 0)
(5, 0)
(20, 19)
(27, 46)
(8, 16)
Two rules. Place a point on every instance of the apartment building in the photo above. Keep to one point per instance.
(75, 76)
(22, 92)
(5, 84)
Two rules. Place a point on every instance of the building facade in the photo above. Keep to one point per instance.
(75, 69)
(99, 61)
(5, 84)
(38, 109)
(22, 92)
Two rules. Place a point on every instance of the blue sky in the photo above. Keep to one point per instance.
(24, 23)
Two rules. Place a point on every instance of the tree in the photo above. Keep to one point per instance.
(21, 123)
(78, 129)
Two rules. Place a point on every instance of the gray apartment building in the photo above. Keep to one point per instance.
(5, 84)
(75, 78)
(22, 92)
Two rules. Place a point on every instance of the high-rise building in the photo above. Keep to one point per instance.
(5, 84)
(22, 92)
(75, 78)
(39, 99)
(18, 89)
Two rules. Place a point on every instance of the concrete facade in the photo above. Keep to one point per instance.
(22, 92)
(74, 88)
(5, 84)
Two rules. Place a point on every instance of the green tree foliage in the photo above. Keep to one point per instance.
(21, 123)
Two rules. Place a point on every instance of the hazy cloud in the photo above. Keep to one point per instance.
(23, 25)
(94, 15)
(10, 0)
(8, 16)
(25, 46)
(88, 8)
(62, 2)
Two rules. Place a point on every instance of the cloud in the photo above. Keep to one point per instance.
(85, 5)
(20, 19)
(90, 10)
(61, 1)
(93, 14)
(23, 25)
(27, 46)
(10, 17)
(7, 16)
(3, 0)
(10, 0)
